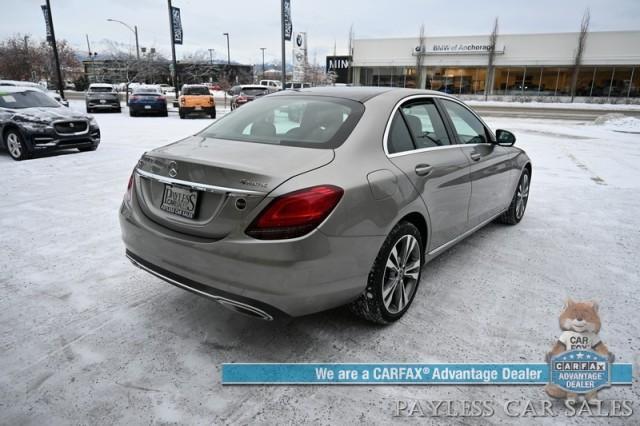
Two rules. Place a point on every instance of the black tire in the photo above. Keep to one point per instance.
(515, 213)
(88, 148)
(370, 305)
(181, 114)
(213, 113)
(119, 110)
(89, 110)
(19, 152)
(132, 114)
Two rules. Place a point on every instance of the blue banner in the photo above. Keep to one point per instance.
(404, 374)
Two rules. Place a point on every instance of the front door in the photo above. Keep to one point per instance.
(490, 168)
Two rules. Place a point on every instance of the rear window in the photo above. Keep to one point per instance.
(303, 121)
(147, 90)
(100, 89)
(197, 90)
(253, 91)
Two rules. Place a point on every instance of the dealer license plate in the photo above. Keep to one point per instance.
(198, 108)
(179, 201)
(147, 107)
(103, 101)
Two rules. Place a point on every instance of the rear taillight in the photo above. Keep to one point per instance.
(127, 195)
(241, 99)
(181, 100)
(295, 214)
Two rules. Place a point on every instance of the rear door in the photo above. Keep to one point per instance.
(419, 144)
(491, 172)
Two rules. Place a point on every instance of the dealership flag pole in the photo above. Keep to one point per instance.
(286, 29)
(54, 46)
(173, 50)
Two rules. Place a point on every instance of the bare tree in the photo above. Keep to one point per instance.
(582, 40)
(24, 58)
(420, 58)
(493, 39)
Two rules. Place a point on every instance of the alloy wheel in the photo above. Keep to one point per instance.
(522, 195)
(401, 274)
(14, 145)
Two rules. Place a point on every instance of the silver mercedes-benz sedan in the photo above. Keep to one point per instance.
(307, 200)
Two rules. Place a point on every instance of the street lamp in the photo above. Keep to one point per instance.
(228, 53)
(263, 49)
(134, 30)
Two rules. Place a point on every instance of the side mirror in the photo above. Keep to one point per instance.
(505, 137)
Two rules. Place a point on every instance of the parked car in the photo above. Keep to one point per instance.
(273, 85)
(31, 122)
(270, 216)
(164, 88)
(102, 96)
(240, 95)
(292, 85)
(147, 100)
(36, 86)
(196, 98)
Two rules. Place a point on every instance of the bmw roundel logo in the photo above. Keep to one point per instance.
(173, 169)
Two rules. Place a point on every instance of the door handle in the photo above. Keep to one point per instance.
(475, 156)
(423, 169)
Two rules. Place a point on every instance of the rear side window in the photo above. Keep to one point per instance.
(425, 124)
(467, 126)
(304, 121)
(399, 136)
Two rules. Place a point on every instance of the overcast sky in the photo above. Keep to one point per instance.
(256, 23)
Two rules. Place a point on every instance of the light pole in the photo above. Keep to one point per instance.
(211, 55)
(134, 30)
(228, 53)
(263, 49)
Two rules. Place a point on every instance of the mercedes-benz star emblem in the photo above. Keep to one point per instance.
(173, 169)
(72, 125)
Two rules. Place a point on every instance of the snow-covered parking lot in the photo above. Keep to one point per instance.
(86, 338)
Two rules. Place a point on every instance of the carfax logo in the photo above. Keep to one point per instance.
(579, 361)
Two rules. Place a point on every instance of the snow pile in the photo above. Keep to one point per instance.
(619, 123)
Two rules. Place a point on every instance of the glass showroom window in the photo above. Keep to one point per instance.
(634, 89)
(479, 80)
(585, 80)
(509, 81)
(531, 85)
(602, 81)
(620, 82)
(410, 80)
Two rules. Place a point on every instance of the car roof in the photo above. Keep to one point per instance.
(358, 93)
(105, 85)
(251, 86)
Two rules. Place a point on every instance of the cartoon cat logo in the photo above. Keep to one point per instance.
(580, 325)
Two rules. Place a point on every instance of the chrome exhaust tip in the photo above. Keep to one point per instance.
(239, 307)
(244, 309)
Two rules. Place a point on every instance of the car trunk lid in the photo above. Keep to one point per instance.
(229, 177)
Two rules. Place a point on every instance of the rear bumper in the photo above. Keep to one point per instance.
(281, 278)
(141, 108)
(202, 110)
(109, 104)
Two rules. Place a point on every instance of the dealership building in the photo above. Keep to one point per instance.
(530, 65)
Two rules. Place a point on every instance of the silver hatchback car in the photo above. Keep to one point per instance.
(307, 200)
